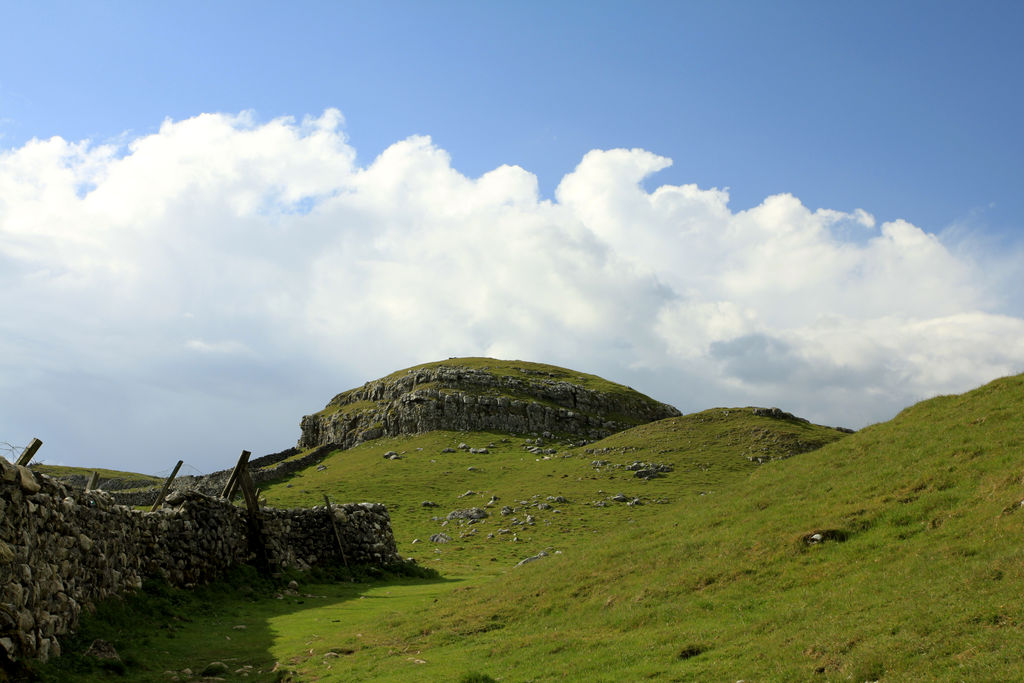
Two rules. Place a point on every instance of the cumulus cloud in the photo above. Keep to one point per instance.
(202, 287)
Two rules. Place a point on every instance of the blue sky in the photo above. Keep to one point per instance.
(909, 109)
(906, 111)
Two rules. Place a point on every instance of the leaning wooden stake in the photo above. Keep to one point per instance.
(257, 543)
(26, 455)
(94, 481)
(334, 525)
(252, 503)
(167, 485)
(232, 485)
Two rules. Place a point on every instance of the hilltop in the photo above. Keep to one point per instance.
(481, 394)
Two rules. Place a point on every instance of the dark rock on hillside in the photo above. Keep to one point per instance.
(778, 414)
(453, 396)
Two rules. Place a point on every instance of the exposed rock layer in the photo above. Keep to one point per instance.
(452, 396)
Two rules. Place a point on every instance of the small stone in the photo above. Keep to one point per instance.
(468, 513)
(27, 479)
(440, 538)
(532, 559)
(215, 669)
(101, 649)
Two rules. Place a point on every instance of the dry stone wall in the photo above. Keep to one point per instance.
(63, 549)
(263, 469)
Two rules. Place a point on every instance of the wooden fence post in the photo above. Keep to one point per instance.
(232, 484)
(257, 543)
(30, 451)
(337, 533)
(252, 503)
(94, 480)
(167, 485)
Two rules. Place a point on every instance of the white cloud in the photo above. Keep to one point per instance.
(220, 277)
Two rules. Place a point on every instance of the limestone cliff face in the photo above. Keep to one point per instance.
(481, 394)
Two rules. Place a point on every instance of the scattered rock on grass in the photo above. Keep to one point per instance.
(101, 649)
(468, 513)
(215, 669)
(539, 555)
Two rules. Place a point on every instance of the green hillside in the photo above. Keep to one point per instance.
(130, 479)
(768, 549)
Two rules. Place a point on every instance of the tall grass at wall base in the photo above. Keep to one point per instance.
(157, 628)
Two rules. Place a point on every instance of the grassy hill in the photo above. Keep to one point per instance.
(769, 549)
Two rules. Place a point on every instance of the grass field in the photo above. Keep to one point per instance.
(889, 554)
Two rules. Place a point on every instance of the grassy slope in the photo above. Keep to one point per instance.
(525, 369)
(919, 575)
(925, 586)
(64, 471)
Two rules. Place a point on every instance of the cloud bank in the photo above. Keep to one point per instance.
(195, 291)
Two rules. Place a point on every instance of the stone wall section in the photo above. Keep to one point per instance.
(263, 469)
(63, 549)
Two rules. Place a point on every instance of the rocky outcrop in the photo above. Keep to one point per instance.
(521, 398)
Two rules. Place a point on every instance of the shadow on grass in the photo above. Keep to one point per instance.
(224, 629)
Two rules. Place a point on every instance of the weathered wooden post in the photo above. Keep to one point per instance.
(94, 481)
(252, 503)
(26, 455)
(167, 485)
(257, 543)
(232, 484)
(337, 533)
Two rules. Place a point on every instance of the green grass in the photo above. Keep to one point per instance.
(917, 576)
(525, 370)
(64, 471)
(159, 631)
